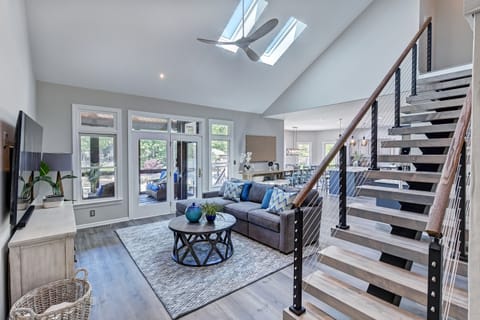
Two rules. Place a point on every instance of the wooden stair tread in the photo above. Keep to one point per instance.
(447, 84)
(414, 176)
(376, 239)
(449, 127)
(407, 219)
(434, 95)
(436, 159)
(432, 105)
(399, 281)
(445, 75)
(417, 143)
(352, 301)
(312, 312)
(405, 195)
(430, 116)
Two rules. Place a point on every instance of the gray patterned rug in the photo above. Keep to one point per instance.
(185, 289)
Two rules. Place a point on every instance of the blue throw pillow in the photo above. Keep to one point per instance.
(245, 191)
(266, 198)
(100, 191)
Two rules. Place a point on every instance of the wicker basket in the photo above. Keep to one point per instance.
(73, 296)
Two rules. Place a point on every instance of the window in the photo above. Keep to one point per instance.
(221, 137)
(327, 147)
(304, 156)
(96, 146)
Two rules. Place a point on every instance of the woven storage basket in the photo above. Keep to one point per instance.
(74, 295)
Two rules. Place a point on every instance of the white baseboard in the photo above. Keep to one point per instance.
(102, 223)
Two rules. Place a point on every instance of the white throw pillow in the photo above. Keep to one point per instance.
(280, 200)
(232, 191)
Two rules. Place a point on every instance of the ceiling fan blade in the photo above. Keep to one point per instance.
(251, 54)
(208, 41)
(263, 30)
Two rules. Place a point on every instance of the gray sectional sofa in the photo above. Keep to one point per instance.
(272, 229)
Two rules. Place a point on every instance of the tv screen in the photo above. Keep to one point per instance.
(27, 154)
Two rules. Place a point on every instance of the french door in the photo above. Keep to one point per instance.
(164, 168)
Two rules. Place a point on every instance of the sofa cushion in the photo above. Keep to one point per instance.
(233, 191)
(262, 218)
(240, 209)
(182, 205)
(257, 191)
(280, 200)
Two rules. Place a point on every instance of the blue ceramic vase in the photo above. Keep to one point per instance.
(193, 213)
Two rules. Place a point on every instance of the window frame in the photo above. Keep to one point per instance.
(212, 137)
(310, 144)
(79, 129)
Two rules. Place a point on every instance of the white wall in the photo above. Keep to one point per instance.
(54, 113)
(17, 92)
(355, 64)
(452, 36)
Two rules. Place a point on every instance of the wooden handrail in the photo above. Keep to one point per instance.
(349, 130)
(442, 195)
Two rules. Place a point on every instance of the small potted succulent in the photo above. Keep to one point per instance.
(210, 211)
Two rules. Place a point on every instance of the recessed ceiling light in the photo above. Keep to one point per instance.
(162, 76)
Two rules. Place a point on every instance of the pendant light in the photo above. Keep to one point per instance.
(353, 142)
(364, 142)
(294, 151)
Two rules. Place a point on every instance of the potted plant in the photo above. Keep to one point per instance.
(210, 211)
(57, 196)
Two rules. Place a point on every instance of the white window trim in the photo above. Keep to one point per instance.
(229, 137)
(78, 129)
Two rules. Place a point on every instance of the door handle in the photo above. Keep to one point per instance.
(199, 172)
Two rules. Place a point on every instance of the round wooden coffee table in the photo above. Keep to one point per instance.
(202, 243)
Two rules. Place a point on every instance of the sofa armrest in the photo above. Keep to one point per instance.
(210, 194)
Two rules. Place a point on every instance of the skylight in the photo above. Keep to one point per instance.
(283, 40)
(233, 30)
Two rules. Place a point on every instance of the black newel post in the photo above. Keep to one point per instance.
(434, 299)
(429, 47)
(414, 70)
(397, 97)
(342, 195)
(374, 134)
(462, 204)
(297, 307)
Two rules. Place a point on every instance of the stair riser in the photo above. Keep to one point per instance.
(388, 219)
(405, 253)
(436, 159)
(430, 117)
(428, 143)
(434, 95)
(403, 176)
(391, 195)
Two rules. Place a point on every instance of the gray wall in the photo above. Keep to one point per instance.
(17, 92)
(54, 113)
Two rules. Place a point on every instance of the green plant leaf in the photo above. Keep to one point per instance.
(44, 168)
(69, 176)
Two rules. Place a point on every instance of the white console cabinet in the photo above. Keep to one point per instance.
(43, 251)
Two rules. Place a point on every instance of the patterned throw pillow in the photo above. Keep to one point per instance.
(232, 191)
(280, 200)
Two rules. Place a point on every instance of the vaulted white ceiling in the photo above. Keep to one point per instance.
(123, 46)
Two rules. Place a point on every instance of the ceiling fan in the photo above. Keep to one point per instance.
(245, 41)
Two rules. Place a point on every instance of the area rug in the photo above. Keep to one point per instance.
(184, 289)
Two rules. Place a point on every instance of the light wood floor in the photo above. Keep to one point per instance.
(121, 292)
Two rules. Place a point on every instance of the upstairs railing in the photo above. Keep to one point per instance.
(447, 220)
(340, 149)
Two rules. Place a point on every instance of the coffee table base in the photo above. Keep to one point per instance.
(198, 250)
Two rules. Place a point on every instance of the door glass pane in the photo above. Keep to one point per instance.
(185, 126)
(149, 124)
(220, 159)
(152, 164)
(185, 174)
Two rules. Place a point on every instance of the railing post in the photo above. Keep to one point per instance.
(297, 307)
(342, 194)
(374, 136)
(397, 97)
(434, 298)
(462, 204)
(429, 47)
(414, 70)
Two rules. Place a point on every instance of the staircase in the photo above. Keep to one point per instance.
(428, 121)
